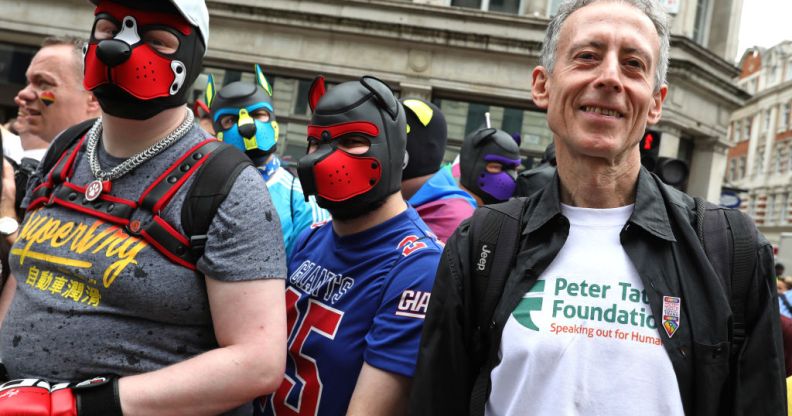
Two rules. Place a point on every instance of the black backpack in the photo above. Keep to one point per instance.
(213, 181)
(728, 237)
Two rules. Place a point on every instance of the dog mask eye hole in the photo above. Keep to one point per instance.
(105, 29)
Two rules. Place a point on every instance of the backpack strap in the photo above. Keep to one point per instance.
(733, 257)
(57, 162)
(63, 142)
(213, 182)
(744, 262)
(495, 232)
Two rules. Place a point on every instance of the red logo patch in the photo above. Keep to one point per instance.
(410, 244)
(134, 226)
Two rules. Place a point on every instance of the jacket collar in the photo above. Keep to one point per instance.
(545, 209)
(649, 213)
(650, 208)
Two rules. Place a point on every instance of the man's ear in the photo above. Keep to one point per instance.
(92, 105)
(656, 111)
(539, 90)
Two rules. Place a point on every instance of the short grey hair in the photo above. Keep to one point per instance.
(651, 8)
(76, 44)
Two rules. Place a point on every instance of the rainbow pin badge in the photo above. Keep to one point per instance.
(671, 308)
(47, 97)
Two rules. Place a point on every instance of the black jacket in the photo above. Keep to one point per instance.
(662, 244)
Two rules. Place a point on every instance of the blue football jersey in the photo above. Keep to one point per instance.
(352, 299)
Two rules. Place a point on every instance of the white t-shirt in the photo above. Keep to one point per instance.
(583, 340)
(12, 148)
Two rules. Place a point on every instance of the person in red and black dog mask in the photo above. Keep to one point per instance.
(361, 282)
(115, 278)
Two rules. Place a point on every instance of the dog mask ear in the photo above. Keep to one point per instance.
(482, 134)
(211, 92)
(316, 92)
(383, 93)
(262, 81)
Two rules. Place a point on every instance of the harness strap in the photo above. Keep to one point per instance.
(160, 192)
(159, 233)
(62, 170)
(106, 207)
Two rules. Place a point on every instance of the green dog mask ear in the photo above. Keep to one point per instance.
(210, 91)
(262, 80)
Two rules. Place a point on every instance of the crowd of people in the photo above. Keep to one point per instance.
(162, 260)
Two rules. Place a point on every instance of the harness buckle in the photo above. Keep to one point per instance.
(198, 242)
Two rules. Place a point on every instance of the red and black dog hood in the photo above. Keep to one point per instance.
(130, 78)
(366, 108)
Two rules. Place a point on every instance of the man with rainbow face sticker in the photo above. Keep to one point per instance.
(243, 116)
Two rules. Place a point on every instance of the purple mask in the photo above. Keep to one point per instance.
(502, 185)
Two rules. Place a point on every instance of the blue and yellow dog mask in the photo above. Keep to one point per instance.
(241, 100)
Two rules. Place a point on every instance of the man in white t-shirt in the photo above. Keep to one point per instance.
(612, 306)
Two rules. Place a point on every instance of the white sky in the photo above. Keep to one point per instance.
(764, 23)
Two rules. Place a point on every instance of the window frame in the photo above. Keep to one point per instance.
(485, 6)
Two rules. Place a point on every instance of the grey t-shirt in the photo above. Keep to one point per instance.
(93, 300)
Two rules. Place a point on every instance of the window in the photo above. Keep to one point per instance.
(553, 5)
(301, 103)
(503, 6)
(758, 161)
(14, 61)
(743, 163)
(772, 75)
(770, 210)
(700, 27)
(789, 155)
(512, 120)
(737, 131)
(779, 158)
(464, 117)
(782, 213)
(747, 128)
(788, 76)
(766, 123)
(783, 125)
(475, 4)
(476, 117)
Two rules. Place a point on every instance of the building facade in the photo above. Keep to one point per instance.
(760, 161)
(469, 56)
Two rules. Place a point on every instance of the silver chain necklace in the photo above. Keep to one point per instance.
(103, 178)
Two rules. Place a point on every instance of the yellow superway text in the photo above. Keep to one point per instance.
(40, 229)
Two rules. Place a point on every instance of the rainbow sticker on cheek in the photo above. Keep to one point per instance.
(47, 97)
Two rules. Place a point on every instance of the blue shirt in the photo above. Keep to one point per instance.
(287, 195)
(440, 186)
(784, 309)
(352, 299)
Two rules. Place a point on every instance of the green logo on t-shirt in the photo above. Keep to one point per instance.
(531, 302)
(619, 303)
